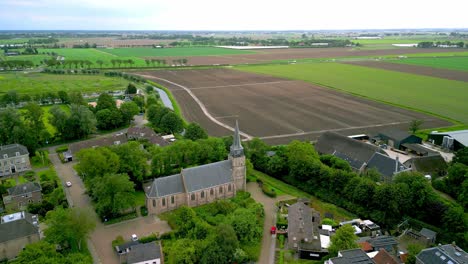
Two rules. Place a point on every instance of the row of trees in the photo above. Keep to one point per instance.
(12, 98)
(409, 195)
(16, 64)
(162, 118)
(431, 44)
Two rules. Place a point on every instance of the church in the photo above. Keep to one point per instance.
(200, 185)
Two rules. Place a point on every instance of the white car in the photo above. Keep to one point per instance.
(68, 184)
(134, 237)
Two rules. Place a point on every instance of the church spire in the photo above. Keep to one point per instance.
(236, 148)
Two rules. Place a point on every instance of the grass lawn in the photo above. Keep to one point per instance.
(284, 188)
(452, 63)
(36, 59)
(140, 198)
(34, 83)
(171, 52)
(441, 97)
(92, 55)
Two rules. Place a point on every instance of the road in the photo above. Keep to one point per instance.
(100, 240)
(267, 256)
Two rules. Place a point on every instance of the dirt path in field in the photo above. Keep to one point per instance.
(415, 69)
(202, 106)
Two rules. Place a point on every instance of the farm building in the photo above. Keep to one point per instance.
(396, 138)
(453, 140)
(433, 165)
(387, 166)
(303, 230)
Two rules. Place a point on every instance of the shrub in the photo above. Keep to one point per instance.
(121, 218)
(144, 211)
(30, 176)
(147, 239)
(168, 235)
(117, 241)
(268, 191)
(61, 149)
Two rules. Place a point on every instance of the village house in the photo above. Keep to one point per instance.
(433, 165)
(21, 195)
(351, 256)
(17, 231)
(443, 254)
(146, 133)
(200, 185)
(14, 159)
(303, 230)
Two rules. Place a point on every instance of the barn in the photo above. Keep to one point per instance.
(453, 140)
(396, 138)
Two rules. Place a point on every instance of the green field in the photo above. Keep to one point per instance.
(441, 97)
(36, 59)
(92, 55)
(454, 63)
(33, 83)
(172, 52)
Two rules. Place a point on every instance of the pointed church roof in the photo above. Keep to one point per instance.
(237, 141)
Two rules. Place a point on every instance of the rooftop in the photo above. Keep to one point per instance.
(385, 165)
(382, 241)
(396, 134)
(352, 256)
(206, 176)
(166, 186)
(460, 135)
(444, 254)
(18, 225)
(24, 188)
(12, 150)
(383, 257)
(144, 252)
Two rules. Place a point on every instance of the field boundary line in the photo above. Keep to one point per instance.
(103, 52)
(338, 129)
(202, 106)
(235, 85)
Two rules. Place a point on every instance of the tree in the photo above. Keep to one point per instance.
(58, 118)
(80, 123)
(155, 113)
(69, 227)
(64, 98)
(96, 162)
(38, 253)
(132, 160)
(113, 194)
(413, 251)
(221, 247)
(245, 224)
(415, 125)
(108, 118)
(184, 251)
(171, 123)
(343, 239)
(99, 62)
(76, 98)
(128, 110)
(131, 89)
(194, 132)
(461, 156)
(185, 220)
(105, 101)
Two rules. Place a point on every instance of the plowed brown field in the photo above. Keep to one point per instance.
(279, 110)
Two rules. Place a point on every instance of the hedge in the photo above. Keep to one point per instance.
(268, 191)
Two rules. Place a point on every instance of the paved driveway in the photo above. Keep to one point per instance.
(100, 242)
(267, 255)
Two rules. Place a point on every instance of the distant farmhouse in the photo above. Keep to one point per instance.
(360, 156)
(453, 140)
(398, 139)
(17, 231)
(200, 185)
(20, 196)
(14, 158)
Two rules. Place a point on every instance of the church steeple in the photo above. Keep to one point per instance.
(236, 148)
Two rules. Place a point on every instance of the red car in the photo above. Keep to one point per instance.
(273, 230)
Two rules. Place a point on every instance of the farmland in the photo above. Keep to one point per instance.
(432, 95)
(34, 83)
(166, 52)
(453, 63)
(276, 109)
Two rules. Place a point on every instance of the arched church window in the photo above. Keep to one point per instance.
(163, 201)
(202, 194)
(193, 197)
(229, 187)
(154, 203)
(220, 189)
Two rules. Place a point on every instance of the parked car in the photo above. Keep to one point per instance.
(69, 184)
(134, 237)
(273, 230)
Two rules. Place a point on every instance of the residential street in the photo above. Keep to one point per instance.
(100, 241)
(267, 256)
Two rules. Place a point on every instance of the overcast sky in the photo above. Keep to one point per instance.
(231, 15)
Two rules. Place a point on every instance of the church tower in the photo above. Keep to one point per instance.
(237, 157)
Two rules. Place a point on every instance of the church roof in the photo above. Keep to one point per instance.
(166, 186)
(206, 176)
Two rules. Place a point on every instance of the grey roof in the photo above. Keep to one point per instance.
(99, 142)
(419, 148)
(446, 254)
(300, 225)
(354, 163)
(236, 147)
(206, 176)
(144, 252)
(428, 233)
(382, 242)
(352, 256)
(385, 165)
(433, 164)
(11, 150)
(127, 245)
(18, 228)
(331, 142)
(395, 134)
(460, 136)
(24, 188)
(146, 133)
(166, 186)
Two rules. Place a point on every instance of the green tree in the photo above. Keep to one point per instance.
(105, 101)
(128, 110)
(80, 123)
(461, 156)
(131, 89)
(415, 125)
(226, 245)
(58, 118)
(184, 251)
(64, 98)
(108, 118)
(132, 160)
(246, 226)
(40, 252)
(343, 239)
(185, 220)
(171, 123)
(155, 113)
(96, 162)
(69, 227)
(413, 251)
(76, 98)
(113, 194)
(194, 132)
